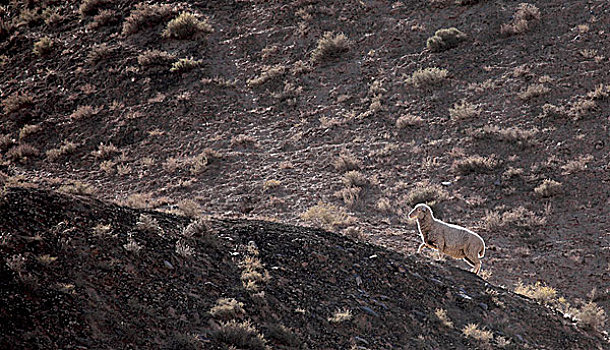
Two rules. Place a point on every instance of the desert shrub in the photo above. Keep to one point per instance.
(155, 57)
(424, 192)
(576, 165)
(83, 112)
(268, 74)
(185, 65)
(146, 16)
(464, 110)
(242, 335)
(99, 53)
(474, 164)
(66, 148)
(408, 120)
(340, 315)
(327, 215)
(441, 314)
(77, 187)
(591, 317)
(283, 335)
(6, 141)
(22, 152)
(104, 18)
(186, 26)
(539, 292)
(105, 150)
(513, 135)
(523, 19)
(330, 46)
(346, 162)
(445, 39)
(52, 17)
(90, 7)
(189, 208)
(28, 130)
(354, 178)
(423, 78)
(533, 91)
(519, 217)
(43, 46)
(548, 188)
(601, 92)
(17, 102)
(227, 308)
(472, 331)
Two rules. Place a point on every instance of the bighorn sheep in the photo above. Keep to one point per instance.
(453, 240)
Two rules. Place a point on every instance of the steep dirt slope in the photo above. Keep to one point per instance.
(76, 281)
(532, 114)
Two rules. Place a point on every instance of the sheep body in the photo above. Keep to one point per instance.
(453, 240)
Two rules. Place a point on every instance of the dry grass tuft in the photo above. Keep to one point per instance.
(105, 151)
(533, 91)
(185, 65)
(66, 148)
(147, 223)
(104, 18)
(155, 58)
(190, 208)
(441, 314)
(242, 335)
(427, 77)
(28, 130)
(22, 152)
(100, 53)
(475, 164)
(186, 26)
(17, 102)
(424, 192)
(513, 135)
(227, 308)
(464, 110)
(539, 292)
(408, 120)
(83, 112)
(43, 46)
(519, 217)
(576, 165)
(472, 331)
(354, 178)
(330, 47)
(90, 7)
(591, 317)
(340, 315)
(549, 188)
(346, 162)
(445, 39)
(526, 16)
(283, 335)
(601, 92)
(327, 215)
(268, 74)
(146, 16)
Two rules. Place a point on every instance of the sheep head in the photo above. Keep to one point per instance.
(420, 211)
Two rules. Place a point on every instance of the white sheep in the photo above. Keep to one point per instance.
(455, 241)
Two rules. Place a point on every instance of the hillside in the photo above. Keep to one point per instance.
(76, 280)
(334, 114)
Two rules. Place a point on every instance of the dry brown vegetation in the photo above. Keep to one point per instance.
(340, 115)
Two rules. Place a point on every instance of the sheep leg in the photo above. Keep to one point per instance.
(475, 263)
(421, 246)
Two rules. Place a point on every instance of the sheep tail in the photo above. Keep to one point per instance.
(482, 252)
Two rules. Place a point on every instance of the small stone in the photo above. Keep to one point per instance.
(369, 311)
(484, 306)
(168, 264)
